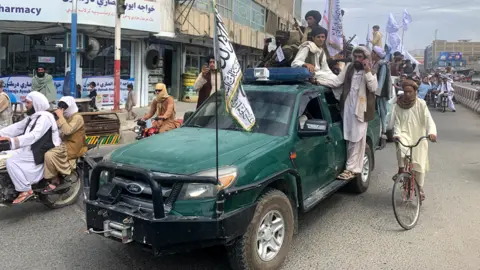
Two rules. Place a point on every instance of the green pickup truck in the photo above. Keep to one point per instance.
(162, 192)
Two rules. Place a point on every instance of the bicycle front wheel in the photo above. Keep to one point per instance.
(406, 201)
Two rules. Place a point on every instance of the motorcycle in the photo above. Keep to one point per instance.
(444, 101)
(63, 195)
(142, 131)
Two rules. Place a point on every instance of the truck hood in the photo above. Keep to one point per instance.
(189, 150)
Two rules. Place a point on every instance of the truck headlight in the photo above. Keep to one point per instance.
(226, 177)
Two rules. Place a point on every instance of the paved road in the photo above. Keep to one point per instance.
(345, 232)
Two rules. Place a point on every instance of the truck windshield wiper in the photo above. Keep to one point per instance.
(195, 125)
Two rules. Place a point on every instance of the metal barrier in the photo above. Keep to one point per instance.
(468, 96)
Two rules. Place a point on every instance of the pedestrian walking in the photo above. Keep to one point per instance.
(93, 95)
(130, 103)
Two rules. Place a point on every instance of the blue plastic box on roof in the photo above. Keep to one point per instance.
(283, 74)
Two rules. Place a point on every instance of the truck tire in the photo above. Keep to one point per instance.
(274, 219)
(360, 183)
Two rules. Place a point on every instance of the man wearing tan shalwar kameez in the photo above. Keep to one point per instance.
(164, 107)
(412, 121)
(58, 161)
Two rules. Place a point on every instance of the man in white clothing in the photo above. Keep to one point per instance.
(311, 55)
(446, 88)
(357, 102)
(29, 140)
(412, 121)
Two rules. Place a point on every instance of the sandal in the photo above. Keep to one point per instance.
(422, 196)
(49, 188)
(346, 175)
(23, 197)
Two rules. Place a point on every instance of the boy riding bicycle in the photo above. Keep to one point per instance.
(412, 121)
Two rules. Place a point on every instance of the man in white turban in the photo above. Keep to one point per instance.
(58, 160)
(29, 140)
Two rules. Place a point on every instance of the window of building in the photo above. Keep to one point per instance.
(243, 11)
(258, 17)
(196, 57)
(103, 63)
(225, 8)
(22, 54)
(249, 13)
(202, 4)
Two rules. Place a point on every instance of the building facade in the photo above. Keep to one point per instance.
(161, 41)
(33, 33)
(462, 54)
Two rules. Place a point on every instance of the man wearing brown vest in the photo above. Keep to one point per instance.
(205, 84)
(356, 86)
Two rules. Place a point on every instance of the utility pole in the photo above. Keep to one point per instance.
(73, 50)
(121, 7)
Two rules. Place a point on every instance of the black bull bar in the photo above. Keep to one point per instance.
(155, 181)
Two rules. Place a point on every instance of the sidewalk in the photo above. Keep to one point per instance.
(126, 127)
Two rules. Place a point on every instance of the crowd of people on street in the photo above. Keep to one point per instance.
(364, 81)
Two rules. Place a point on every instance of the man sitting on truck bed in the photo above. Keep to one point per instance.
(311, 55)
(357, 102)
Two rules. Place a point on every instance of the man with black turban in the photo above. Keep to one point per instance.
(313, 18)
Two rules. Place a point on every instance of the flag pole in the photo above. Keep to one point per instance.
(403, 32)
(368, 44)
(215, 53)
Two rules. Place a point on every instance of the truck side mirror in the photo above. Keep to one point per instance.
(186, 116)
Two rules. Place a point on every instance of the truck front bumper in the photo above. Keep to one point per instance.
(170, 234)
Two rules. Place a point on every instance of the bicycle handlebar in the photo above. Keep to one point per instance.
(413, 146)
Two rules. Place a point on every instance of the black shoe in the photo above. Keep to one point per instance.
(454, 111)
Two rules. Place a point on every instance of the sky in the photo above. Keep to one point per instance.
(454, 19)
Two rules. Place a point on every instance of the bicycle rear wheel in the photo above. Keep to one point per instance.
(406, 201)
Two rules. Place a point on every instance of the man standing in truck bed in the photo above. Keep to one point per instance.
(357, 102)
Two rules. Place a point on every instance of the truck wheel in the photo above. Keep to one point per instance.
(360, 183)
(266, 243)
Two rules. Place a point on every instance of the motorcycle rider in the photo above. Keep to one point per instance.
(72, 132)
(29, 140)
(447, 88)
(164, 107)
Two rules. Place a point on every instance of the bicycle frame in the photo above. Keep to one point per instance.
(408, 168)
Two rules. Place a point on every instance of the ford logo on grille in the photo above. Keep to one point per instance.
(134, 188)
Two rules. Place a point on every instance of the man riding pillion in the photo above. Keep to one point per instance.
(29, 140)
(72, 131)
(357, 102)
(164, 107)
(412, 121)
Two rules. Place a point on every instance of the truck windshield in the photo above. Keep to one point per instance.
(272, 110)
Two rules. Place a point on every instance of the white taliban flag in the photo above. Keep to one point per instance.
(237, 104)
(332, 21)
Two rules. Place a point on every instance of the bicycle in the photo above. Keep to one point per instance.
(407, 187)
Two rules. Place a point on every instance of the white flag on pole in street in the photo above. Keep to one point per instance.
(237, 104)
(395, 42)
(335, 30)
(335, 33)
(392, 25)
(407, 19)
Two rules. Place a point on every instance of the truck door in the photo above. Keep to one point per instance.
(312, 159)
